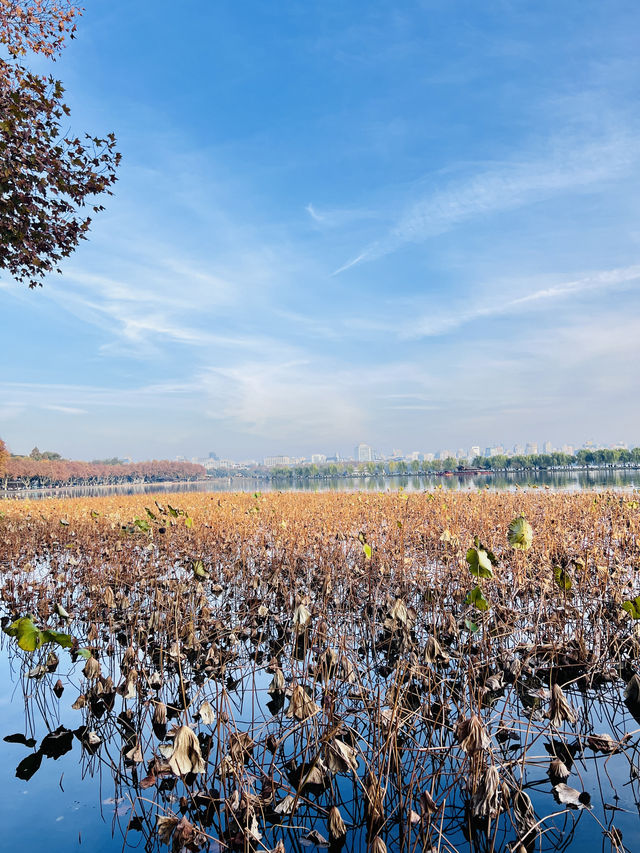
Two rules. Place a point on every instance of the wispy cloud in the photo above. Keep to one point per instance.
(66, 410)
(339, 217)
(440, 324)
(567, 166)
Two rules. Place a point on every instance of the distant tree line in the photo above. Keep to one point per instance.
(25, 472)
(532, 462)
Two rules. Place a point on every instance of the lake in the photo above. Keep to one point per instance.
(587, 479)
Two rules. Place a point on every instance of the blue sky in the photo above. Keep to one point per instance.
(411, 224)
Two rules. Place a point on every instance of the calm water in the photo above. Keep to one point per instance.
(623, 479)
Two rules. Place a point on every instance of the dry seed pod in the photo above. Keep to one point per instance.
(109, 598)
(80, 702)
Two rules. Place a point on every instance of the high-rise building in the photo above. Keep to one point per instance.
(317, 458)
(547, 447)
(474, 451)
(531, 449)
(518, 449)
(363, 453)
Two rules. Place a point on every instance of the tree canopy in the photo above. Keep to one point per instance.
(47, 179)
(4, 457)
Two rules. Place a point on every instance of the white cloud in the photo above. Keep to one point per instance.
(66, 410)
(568, 166)
(603, 280)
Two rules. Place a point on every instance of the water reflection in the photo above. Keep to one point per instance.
(579, 480)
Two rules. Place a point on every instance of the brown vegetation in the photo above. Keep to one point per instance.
(327, 663)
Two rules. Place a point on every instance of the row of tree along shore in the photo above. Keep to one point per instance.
(22, 472)
(49, 471)
(583, 459)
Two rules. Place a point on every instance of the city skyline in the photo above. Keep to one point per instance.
(364, 452)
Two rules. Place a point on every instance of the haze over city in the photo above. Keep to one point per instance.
(415, 224)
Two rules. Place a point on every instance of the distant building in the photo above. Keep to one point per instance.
(568, 449)
(212, 464)
(496, 450)
(474, 451)
(518, 450)
(363, 453)
(446, 454)
(318, 458)
(429, 457)
(547, 447)
(274, 461)
(531, 449)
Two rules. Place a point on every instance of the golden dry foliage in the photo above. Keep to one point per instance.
(4, 457)
(397, 672)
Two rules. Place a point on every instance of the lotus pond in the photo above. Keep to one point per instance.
(404, 671)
